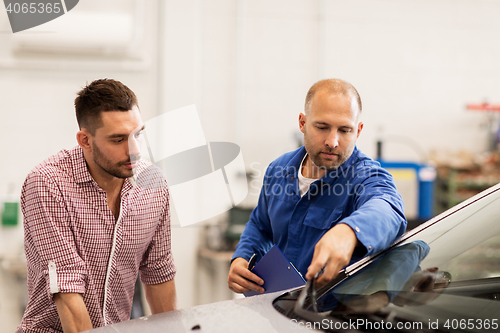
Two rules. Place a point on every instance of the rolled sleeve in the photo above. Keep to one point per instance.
(49, 237)
(376, 225)
(68, 280)
(158, 272)
(378, 219)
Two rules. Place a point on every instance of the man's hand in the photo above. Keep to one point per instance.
(240, 278)
(72, 312)
(334, 249)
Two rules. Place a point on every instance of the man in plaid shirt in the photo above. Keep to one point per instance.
(95, 216)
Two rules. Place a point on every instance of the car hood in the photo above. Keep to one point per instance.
(251, 314)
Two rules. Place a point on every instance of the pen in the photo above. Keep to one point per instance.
(252, 261)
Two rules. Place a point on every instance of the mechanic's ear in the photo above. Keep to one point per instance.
(302, 122)
(360, 128)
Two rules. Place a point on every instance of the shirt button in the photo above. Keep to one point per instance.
(292, 177)
(369, 247)
(357, 229)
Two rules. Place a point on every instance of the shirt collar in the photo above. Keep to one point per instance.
(299, 173)
(293, 166)
(81, 172)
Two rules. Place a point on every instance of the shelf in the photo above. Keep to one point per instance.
(454, 185)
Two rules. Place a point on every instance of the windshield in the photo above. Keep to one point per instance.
(443, 276)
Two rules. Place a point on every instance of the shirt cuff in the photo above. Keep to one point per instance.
(362, 239)
(157, 274)
(242, 254)
(65, 280)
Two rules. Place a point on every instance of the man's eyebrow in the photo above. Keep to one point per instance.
(329, 125)
(118, 135)
(321, 123)
(114, 136)
(139, 130)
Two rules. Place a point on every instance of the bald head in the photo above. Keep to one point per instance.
(333, 87)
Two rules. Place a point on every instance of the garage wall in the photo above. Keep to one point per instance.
(416, 65)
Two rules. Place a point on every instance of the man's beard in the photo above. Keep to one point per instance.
(327, 165)
(106, 165)
(319, 161)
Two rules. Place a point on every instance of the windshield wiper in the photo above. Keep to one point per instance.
(381, 321)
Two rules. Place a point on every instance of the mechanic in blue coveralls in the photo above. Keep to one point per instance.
(326, 204)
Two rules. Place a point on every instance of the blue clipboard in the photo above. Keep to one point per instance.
(277, 272)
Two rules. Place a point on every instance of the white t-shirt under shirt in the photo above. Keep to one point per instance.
(304, 183)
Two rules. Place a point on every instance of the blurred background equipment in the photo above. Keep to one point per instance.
(492, 112)
(465, 174)
(238, 217)
(415, 183)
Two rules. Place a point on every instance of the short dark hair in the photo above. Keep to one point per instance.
(332, 86)
(100, 96)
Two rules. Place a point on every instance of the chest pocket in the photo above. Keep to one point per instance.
(322, 218)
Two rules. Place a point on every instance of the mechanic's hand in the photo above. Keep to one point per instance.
(241, 280)
(334, 249)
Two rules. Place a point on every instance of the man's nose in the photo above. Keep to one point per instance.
(134, 148)
(332, 141)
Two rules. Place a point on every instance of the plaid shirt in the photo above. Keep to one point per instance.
(74, 244)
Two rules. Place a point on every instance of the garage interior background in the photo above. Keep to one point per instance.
(247, 65)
